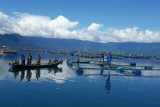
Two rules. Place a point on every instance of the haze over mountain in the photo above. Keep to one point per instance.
(16, 41)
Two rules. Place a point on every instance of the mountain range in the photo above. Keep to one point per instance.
(16, 41)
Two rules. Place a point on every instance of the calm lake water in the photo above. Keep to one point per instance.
(63, 87)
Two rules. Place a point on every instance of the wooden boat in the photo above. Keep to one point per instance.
(158, 58)
(50, 69)
(42, 65)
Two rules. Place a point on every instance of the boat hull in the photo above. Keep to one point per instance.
(34, 66)
(81, 62)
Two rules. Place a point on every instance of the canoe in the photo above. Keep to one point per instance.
(73, 61)
(81, 61)
(42, 65)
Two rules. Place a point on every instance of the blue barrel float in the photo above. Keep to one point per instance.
(148, 67)
(132, 63)
(79, 71)
(69, 63)
(136, 72)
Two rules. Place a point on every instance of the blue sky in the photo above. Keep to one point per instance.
(111, 13)
(117, 14)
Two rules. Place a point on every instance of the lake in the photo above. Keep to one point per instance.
(63, 87)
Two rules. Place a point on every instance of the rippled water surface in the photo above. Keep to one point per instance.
(63, 87)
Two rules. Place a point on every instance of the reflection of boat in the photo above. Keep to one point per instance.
(29, 71)
(43, 65)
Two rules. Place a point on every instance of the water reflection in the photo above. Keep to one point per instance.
(38, 73)
(102, 70)
(16, 74)
(22, 73)
(108, 83)
(29, 75)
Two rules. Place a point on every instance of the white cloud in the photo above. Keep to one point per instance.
(34, 25)
(94, 27)
(133, 35)
(3, 21)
